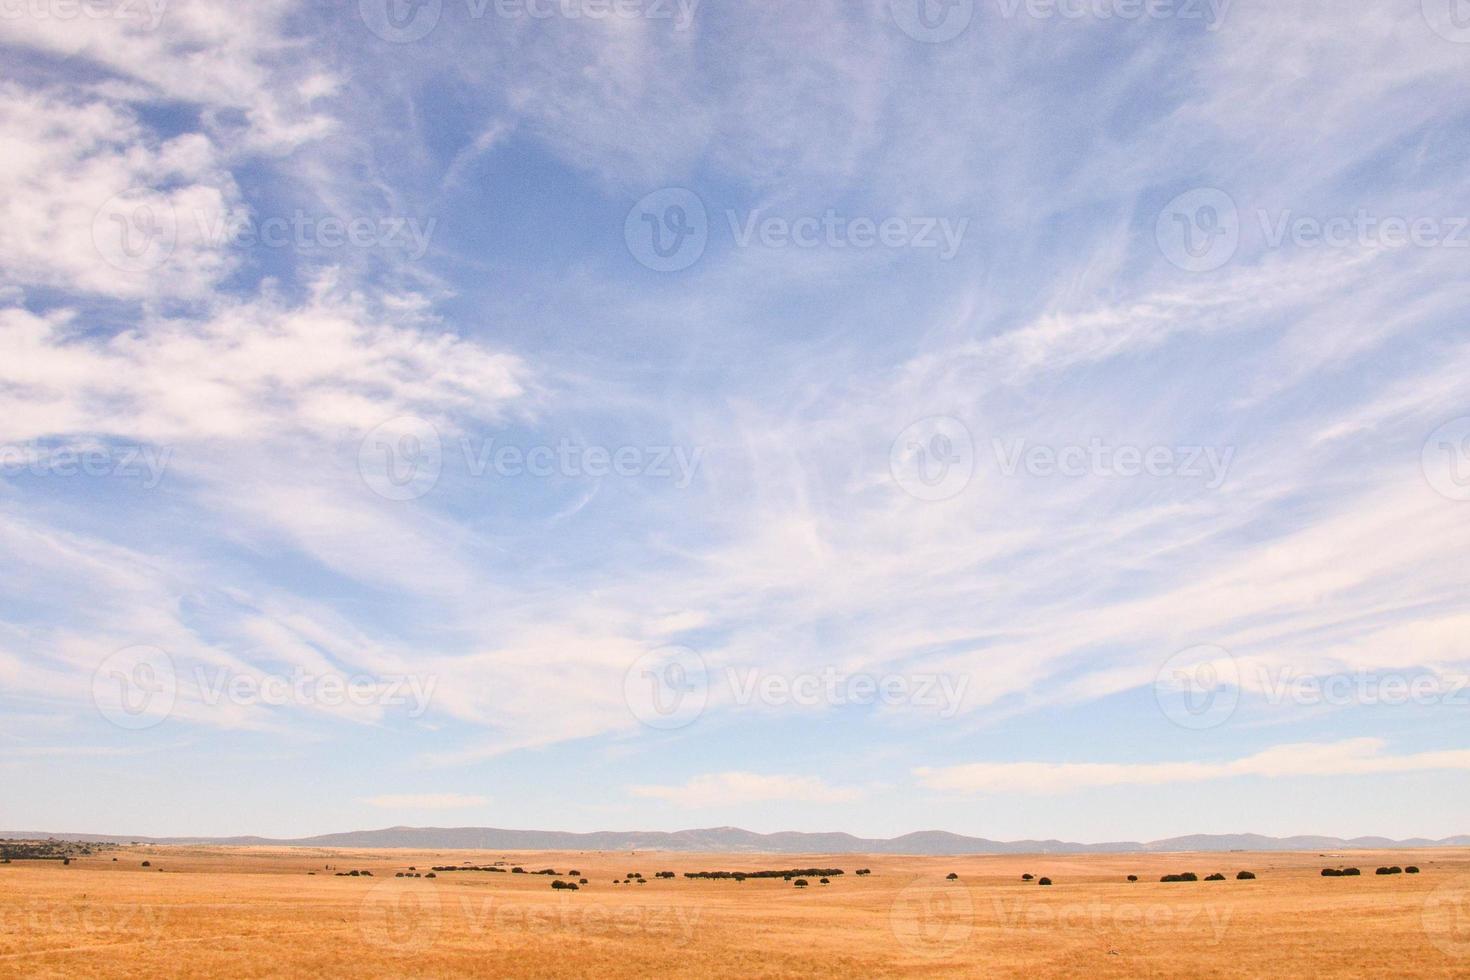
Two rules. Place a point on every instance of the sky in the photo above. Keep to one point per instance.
(1026, 419)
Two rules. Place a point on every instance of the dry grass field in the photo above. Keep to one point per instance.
(261, 912)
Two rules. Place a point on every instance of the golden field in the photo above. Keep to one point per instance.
(260, 912)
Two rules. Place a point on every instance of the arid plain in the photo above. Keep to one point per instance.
(278, 912)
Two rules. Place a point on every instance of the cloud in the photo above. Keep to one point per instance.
(1351, 757)
(426, 801)
(734, 788)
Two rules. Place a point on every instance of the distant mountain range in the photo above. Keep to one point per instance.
(727, 839)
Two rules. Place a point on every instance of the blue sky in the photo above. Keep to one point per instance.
(1022, 419)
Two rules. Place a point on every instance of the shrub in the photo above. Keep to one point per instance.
(1217, 876)
(800, 882)
(1331, 873)
(517, 871)
(581, 881)
(1186, 876)
(951, 877)
(1350, 872)
(1044, 881)
(1028, 877)
(431, 875)
(560, 885)
(825, 881)
(1246, 876)
(1410, 870)
(1133, 877)
(147, 864)
(1395, 870)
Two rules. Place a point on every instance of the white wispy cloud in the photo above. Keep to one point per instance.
(731, 788)
(426, 801)
(1351, 757)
